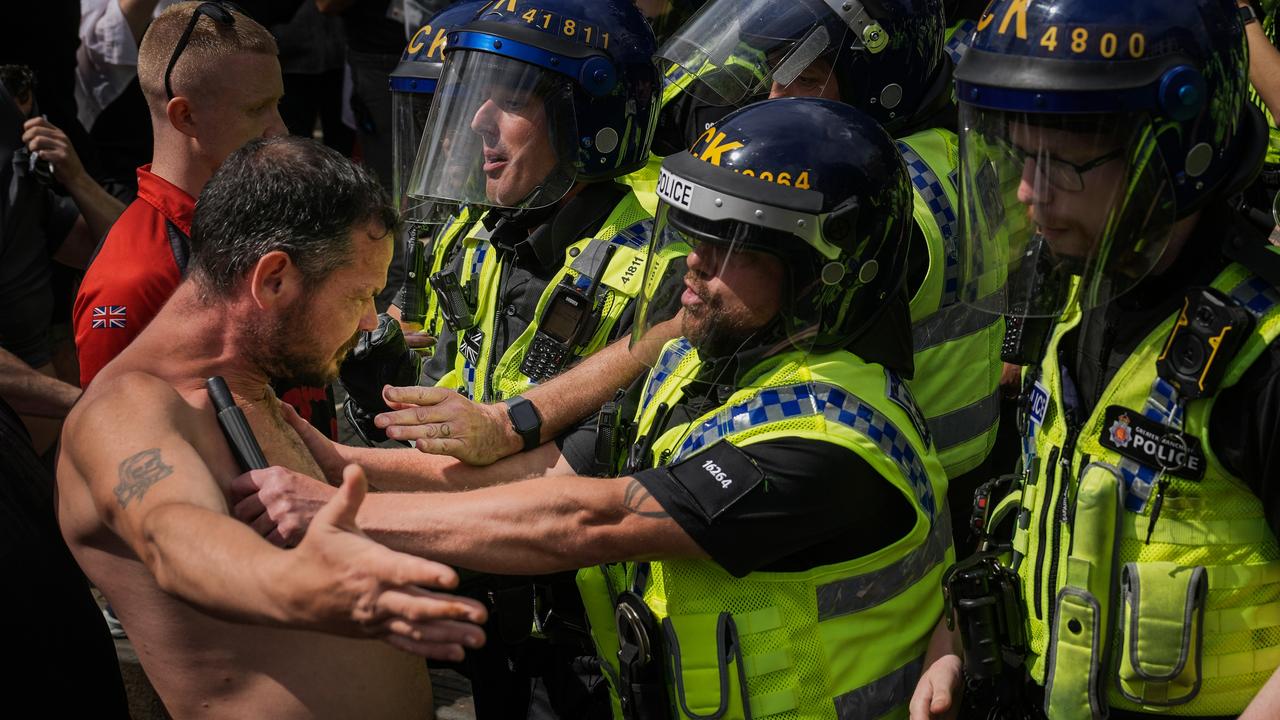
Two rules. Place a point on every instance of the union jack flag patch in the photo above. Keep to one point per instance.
(109, 316)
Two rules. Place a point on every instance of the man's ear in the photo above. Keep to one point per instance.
(275, 281)
(178, 110)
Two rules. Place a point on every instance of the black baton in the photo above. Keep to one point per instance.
(234, 426)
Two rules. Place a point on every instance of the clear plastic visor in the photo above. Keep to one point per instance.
(1059, 209)
(500, 134)
(737, 50)
(710, 283)
(408, 118)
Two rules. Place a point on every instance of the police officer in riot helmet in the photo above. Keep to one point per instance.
(885, 58)
(1100, 146)
(775, 537)
(412, 320)
(539, 107)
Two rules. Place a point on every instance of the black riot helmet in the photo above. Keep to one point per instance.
(812, 197)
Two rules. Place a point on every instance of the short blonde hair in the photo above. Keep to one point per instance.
(210, 42)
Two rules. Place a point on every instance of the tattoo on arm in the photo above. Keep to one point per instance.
(138, 473)
(635, 496)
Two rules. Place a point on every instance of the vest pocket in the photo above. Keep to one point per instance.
(1162, 627)
(707, 668)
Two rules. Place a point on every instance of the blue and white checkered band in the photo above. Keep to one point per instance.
(477, 263)
(900, 394)
(477, 258)
(666, 364)
(929, 187)
(958, 43)
(835, 405)
(1164, 406)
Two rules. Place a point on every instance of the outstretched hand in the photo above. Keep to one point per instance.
(346, 584)
(441, 421)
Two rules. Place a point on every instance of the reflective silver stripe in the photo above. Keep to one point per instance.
(971, 421)
(879, 697)
(950, 323)
(868, 590)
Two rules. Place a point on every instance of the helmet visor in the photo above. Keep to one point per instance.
(408, 118)
(735, 50)
(500, 134)
(724, 286)
(1056, 202)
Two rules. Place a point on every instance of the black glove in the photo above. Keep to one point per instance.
(380, 358)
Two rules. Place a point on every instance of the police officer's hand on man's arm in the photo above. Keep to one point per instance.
(408, 470)
(530, 527)
(441, 421)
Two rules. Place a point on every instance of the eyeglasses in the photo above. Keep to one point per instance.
(1063, 174)
(219, 12)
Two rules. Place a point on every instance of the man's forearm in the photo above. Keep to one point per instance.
(215, 563)
(99, 208)
(575, 394)
(392, 470)
(533, 527)
(31, 392)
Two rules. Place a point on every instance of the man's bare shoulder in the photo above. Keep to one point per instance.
(122, 405)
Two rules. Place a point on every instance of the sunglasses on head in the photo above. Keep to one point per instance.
(219, 12)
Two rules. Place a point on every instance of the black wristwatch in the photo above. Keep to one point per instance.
(525, 420)
(1247, 14)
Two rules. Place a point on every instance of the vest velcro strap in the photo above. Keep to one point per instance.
(1178, 531)
(865, 591)
(966, 423)
(1238, 576)
(758, 621)
(765, 663)
(1242, 663)
(774, 703)
(878, 697)
(1253, 617)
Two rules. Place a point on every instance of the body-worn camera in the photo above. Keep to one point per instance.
(457, 303)
(1209, 331)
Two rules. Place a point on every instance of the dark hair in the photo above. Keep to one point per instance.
(284, 193)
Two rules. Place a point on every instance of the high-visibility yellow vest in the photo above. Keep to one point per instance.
(838, 641)
(494, 377)
(1188, 624)
(957, 348)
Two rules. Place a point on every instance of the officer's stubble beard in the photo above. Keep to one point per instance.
(711, 328)
(279, 347)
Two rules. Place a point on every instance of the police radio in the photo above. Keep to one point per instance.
(564, 322)
(457, 304)
(1209, 331)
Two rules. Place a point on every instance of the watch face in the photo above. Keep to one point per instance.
(523, 416)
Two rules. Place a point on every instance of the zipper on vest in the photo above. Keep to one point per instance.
(1050, 474)
(1060, 519)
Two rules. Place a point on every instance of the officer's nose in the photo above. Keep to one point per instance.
(485, 123)
(1033, 188)
(703, 259)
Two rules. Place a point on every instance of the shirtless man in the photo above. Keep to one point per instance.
(290, 245)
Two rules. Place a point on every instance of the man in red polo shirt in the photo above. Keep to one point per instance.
(212, 83)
